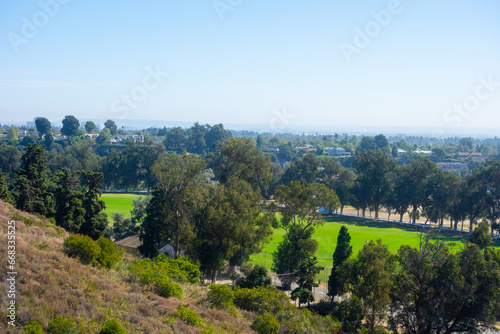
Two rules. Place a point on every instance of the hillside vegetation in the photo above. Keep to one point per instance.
(50, 285)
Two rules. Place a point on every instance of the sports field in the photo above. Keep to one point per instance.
(361, 230)
(118, 203)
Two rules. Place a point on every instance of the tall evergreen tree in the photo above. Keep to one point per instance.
(69, 212)
(31, 190)
(4, 193)
(95, 221)
(342, 252)
(153, 232)
(306, 275)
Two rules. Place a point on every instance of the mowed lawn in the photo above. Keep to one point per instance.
(361, 231)
(118, 203)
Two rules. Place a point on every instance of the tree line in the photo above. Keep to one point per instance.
(432, 288)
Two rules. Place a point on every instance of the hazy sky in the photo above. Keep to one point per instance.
(434, 64)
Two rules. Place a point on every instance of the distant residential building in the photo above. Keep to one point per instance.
(133, 243)
(337, 152)
(475, 156)
(91, 135)
(401, 152)
(119, 139)
(452, 165)
(61, 137)
(419, 151)
(307, 148)
(274, 150)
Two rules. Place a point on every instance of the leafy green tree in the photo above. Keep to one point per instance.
(306, 275)
(138, 213)
(375, 266)
(69, 212)
(490, 174)
(12, 133)
(349, 312)
(399, 197)
(481, 236)
(474, 197)
(255, 276)
(343, 251)
(111, 126)
(230, 222)
(95, 220)
(4, 193)
(42, 126)
(305, 170)
(374, 169)
(176, 140)
(154, 231)
(216, 136)
(31, 185)
(465, 144)
(417, 179)
(443, 187)
(259, 142)
(148, 152)
(178, 196)
(123, 227)
(129, 165)
(196, 140)
(300, 215)
(240, 159)
(286, 151)
(10, 160)
(70, 125)
(288, 255)
(367, 144)
(343, 183)
(49, 141)
(89, 126)
(382, 143)
(110, 167)
(440, 291)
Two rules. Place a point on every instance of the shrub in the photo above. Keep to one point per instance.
(109, 253)
(179, 270)
(33, 327)
(82, 247)
(255, 276)
(220, 296)
(261, 300)
(167, 288)
(60, 325)
(112, 327)
(188, 316)
(103, 252)
(266, 324)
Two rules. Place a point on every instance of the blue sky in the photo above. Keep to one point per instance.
(277, 63)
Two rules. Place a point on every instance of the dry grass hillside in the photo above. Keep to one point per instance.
(51, 284)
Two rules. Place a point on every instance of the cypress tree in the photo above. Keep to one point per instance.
(31, 190)
(342, 252)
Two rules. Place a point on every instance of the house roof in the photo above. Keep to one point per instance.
(133, 242)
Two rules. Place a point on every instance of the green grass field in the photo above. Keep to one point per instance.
(361, 230)
(118, 203)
